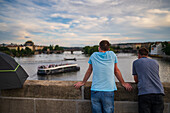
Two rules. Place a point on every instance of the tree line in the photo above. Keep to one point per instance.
(86, 50)
(27, 51)
(90, 49)
(51, 48)
(166, 48)
(17, 53)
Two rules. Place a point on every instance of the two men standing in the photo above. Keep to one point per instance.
(103, 64)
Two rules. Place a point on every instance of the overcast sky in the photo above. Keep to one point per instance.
(84, 22)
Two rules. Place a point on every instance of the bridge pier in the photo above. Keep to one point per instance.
(71, 52)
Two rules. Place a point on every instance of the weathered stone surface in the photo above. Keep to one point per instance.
(120, 95)
(11, 105)
(167, 92)
(166, 108)
(84, 106)
(126, 107)
(123, 95)
(66, 90)
(87, 92)
(55, 106)
(49, 105)
(45, 89)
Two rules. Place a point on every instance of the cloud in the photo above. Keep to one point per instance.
(158, 11)
(27, 37)
(151, 19)
(70, 22)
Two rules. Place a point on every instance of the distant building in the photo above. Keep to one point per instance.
(12, 47)
(156, 49)
(16, 47)
(30, 45)
(37, 47)
(146, 45)
(136, 46)
(123, 45)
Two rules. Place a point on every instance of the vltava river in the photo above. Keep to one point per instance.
(30, 64)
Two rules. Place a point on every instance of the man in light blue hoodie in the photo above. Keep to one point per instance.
(103, 64)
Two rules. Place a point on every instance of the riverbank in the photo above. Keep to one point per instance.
(165, 57)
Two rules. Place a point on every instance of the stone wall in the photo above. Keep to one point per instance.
(38, 96)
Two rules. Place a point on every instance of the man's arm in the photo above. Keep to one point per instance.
(120, 78)
(86, 77)
(136, 78)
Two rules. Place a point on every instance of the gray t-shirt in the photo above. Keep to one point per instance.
(147, 71)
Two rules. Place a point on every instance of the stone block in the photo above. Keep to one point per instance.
(15, 105)
(166, 108)
(87, 91)
(126, 107)
(84, 106)
(45, 89)
(166, 90)
(123, 95)
(55, 106)
(120, 95)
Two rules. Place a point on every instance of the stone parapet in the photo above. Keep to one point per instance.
(42, 96)
(66, 90)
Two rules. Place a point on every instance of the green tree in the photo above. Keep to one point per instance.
(166, 48)
(86, 49)
(14, 52)
(111, 49)
(22, 52)
(90, 50)
(28, 51)
(58, 48)
(51, 47)
(4, 49)
(45, 49)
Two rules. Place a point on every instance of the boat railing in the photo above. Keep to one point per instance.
(53, 65)
(42, 67)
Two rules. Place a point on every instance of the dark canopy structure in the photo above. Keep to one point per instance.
(12, 75)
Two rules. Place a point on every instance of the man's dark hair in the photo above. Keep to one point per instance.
(143, 51)
(104, 45)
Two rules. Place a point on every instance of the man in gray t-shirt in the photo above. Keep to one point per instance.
(150, 89)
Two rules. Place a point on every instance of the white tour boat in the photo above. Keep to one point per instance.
(55, 69)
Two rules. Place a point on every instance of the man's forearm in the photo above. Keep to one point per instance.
(87, 75)
(136, 79)
(119, 76)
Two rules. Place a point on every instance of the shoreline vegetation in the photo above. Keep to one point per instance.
(17, 53)
(87, 50)
(27, 51)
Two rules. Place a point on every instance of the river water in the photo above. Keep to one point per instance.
(125, 61)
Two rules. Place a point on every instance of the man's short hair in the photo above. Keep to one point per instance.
(143, 51)
(104, 45)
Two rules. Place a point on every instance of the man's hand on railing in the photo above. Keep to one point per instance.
(79, 84)
(127, 86)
